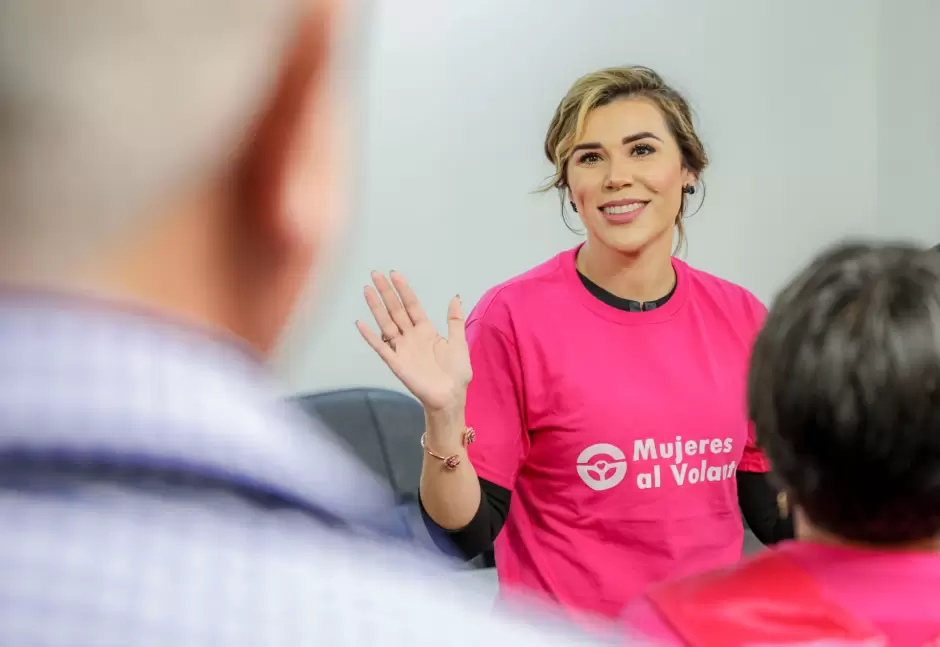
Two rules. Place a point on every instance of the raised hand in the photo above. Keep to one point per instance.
(436, 370)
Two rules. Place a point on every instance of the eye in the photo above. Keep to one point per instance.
(642, 150)
(589, 158)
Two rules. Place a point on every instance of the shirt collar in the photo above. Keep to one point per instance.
(92, 382)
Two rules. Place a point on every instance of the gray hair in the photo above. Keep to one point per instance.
(108, 105)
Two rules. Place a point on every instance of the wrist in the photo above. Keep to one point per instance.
(446, 417)
(446, 435)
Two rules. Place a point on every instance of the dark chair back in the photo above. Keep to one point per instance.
(383, 428)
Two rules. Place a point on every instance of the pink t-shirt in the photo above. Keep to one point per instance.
(619, 433)
(894, 591)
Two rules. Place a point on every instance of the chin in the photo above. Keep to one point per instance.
(626, 240)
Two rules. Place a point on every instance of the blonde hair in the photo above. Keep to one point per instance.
(604, 86)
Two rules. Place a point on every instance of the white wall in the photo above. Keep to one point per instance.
(460, 95)
(909, 120)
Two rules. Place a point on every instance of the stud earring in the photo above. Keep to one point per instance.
(688, 189)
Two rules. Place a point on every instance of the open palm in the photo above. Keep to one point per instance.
(436, 370)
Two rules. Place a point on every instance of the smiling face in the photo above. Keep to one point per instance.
(626, 176)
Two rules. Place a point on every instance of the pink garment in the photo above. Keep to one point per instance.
(894, 591)
(619, 433)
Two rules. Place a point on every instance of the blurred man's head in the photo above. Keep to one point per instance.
(845, 393)
(172, 152)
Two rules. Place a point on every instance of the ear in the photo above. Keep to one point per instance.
(286, 188)
(689, 178)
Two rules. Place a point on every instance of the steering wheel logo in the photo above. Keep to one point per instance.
(602, 466)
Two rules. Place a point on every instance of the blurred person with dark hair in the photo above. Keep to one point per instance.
(844, 389)
(169, 175)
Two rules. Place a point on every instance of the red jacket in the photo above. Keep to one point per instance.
(765, 600)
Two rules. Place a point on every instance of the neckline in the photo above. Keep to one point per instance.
(611, 313)
(130, 313)
(215, 412)
(909, 570)
(873, 554)
(620, 303)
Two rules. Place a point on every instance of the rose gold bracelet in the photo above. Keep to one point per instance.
(450, 462)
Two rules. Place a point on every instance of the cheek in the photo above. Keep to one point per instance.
(663, 179)
(583, 190)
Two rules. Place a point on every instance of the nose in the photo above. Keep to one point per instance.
(619, 173)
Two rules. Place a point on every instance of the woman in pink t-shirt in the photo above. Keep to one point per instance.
(607, 401)
(845, 392)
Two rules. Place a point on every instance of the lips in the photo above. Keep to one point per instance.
(620, 209)
(623, 212)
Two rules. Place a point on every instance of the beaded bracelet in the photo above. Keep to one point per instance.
(450, 462)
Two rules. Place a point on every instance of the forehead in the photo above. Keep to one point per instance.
(621, 118)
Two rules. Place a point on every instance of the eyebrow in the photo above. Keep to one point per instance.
(629, 139)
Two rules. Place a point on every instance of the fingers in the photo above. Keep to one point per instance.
(388, 327)
(392, 304)
(456, 326)
(380, 347)
(408, 299)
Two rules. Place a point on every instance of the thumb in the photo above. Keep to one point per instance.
(456, 325)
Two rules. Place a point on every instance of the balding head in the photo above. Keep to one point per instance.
(106, 104)
(118, 114)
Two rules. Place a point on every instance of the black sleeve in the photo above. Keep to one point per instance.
(757, 497)
(478, 535)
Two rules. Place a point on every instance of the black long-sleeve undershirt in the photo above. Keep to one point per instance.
(757, 496)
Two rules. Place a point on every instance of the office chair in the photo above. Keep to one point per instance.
(383, 428)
